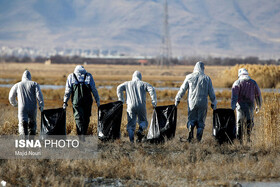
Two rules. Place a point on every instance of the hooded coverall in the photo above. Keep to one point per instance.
(80, 85)
(136, 102)
(199, 86)
(245, 91)
(27, 93)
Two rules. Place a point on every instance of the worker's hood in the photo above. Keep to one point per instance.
(26, 76)
(199, 67)
(80, 70)
(242, 71)
(136, 76)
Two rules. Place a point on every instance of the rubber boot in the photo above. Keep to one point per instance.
(82, 138)
(199, 134)
(140, 135)
(190, 133)
(249, 129)
(25, 129)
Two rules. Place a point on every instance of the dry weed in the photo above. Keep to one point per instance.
(267, 76)
(174, 163)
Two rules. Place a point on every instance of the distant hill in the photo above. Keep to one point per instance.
(197, 27)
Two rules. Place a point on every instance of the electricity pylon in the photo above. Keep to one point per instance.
(165, 49)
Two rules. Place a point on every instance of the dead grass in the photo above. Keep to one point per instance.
(267, 76)
(174, 163)
(56, 74)
(269, 130)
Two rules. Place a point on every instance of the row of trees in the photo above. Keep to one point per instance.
(24, 59)
(155, 61)
(228, 61)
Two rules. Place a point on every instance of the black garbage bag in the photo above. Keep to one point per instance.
(109, 121)
(224, 129)
(53, 122)
(163, 124)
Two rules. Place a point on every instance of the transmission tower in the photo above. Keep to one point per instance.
(165, 49)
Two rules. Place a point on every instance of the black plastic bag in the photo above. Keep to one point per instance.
(163, 124)
(224, 129)
(109, 121)
(53, 122)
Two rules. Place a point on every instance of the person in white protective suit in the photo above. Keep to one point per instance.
(199, 87)
(27, 93)
(80, 86)
(136, 103)
(245, 91)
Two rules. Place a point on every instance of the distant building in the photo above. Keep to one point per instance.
(143, 62)
(48, 62)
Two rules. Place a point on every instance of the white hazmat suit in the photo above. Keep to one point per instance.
(27, 93)
(199, 86)
(136, 102)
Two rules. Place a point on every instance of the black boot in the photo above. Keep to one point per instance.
(140, 135)
(82, 138)
(250, 124)
(190, 134)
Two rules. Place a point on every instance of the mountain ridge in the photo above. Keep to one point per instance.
(200, 27)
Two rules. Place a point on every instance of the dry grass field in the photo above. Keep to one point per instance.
(174, 163)
(267, 76)
(103, 74)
